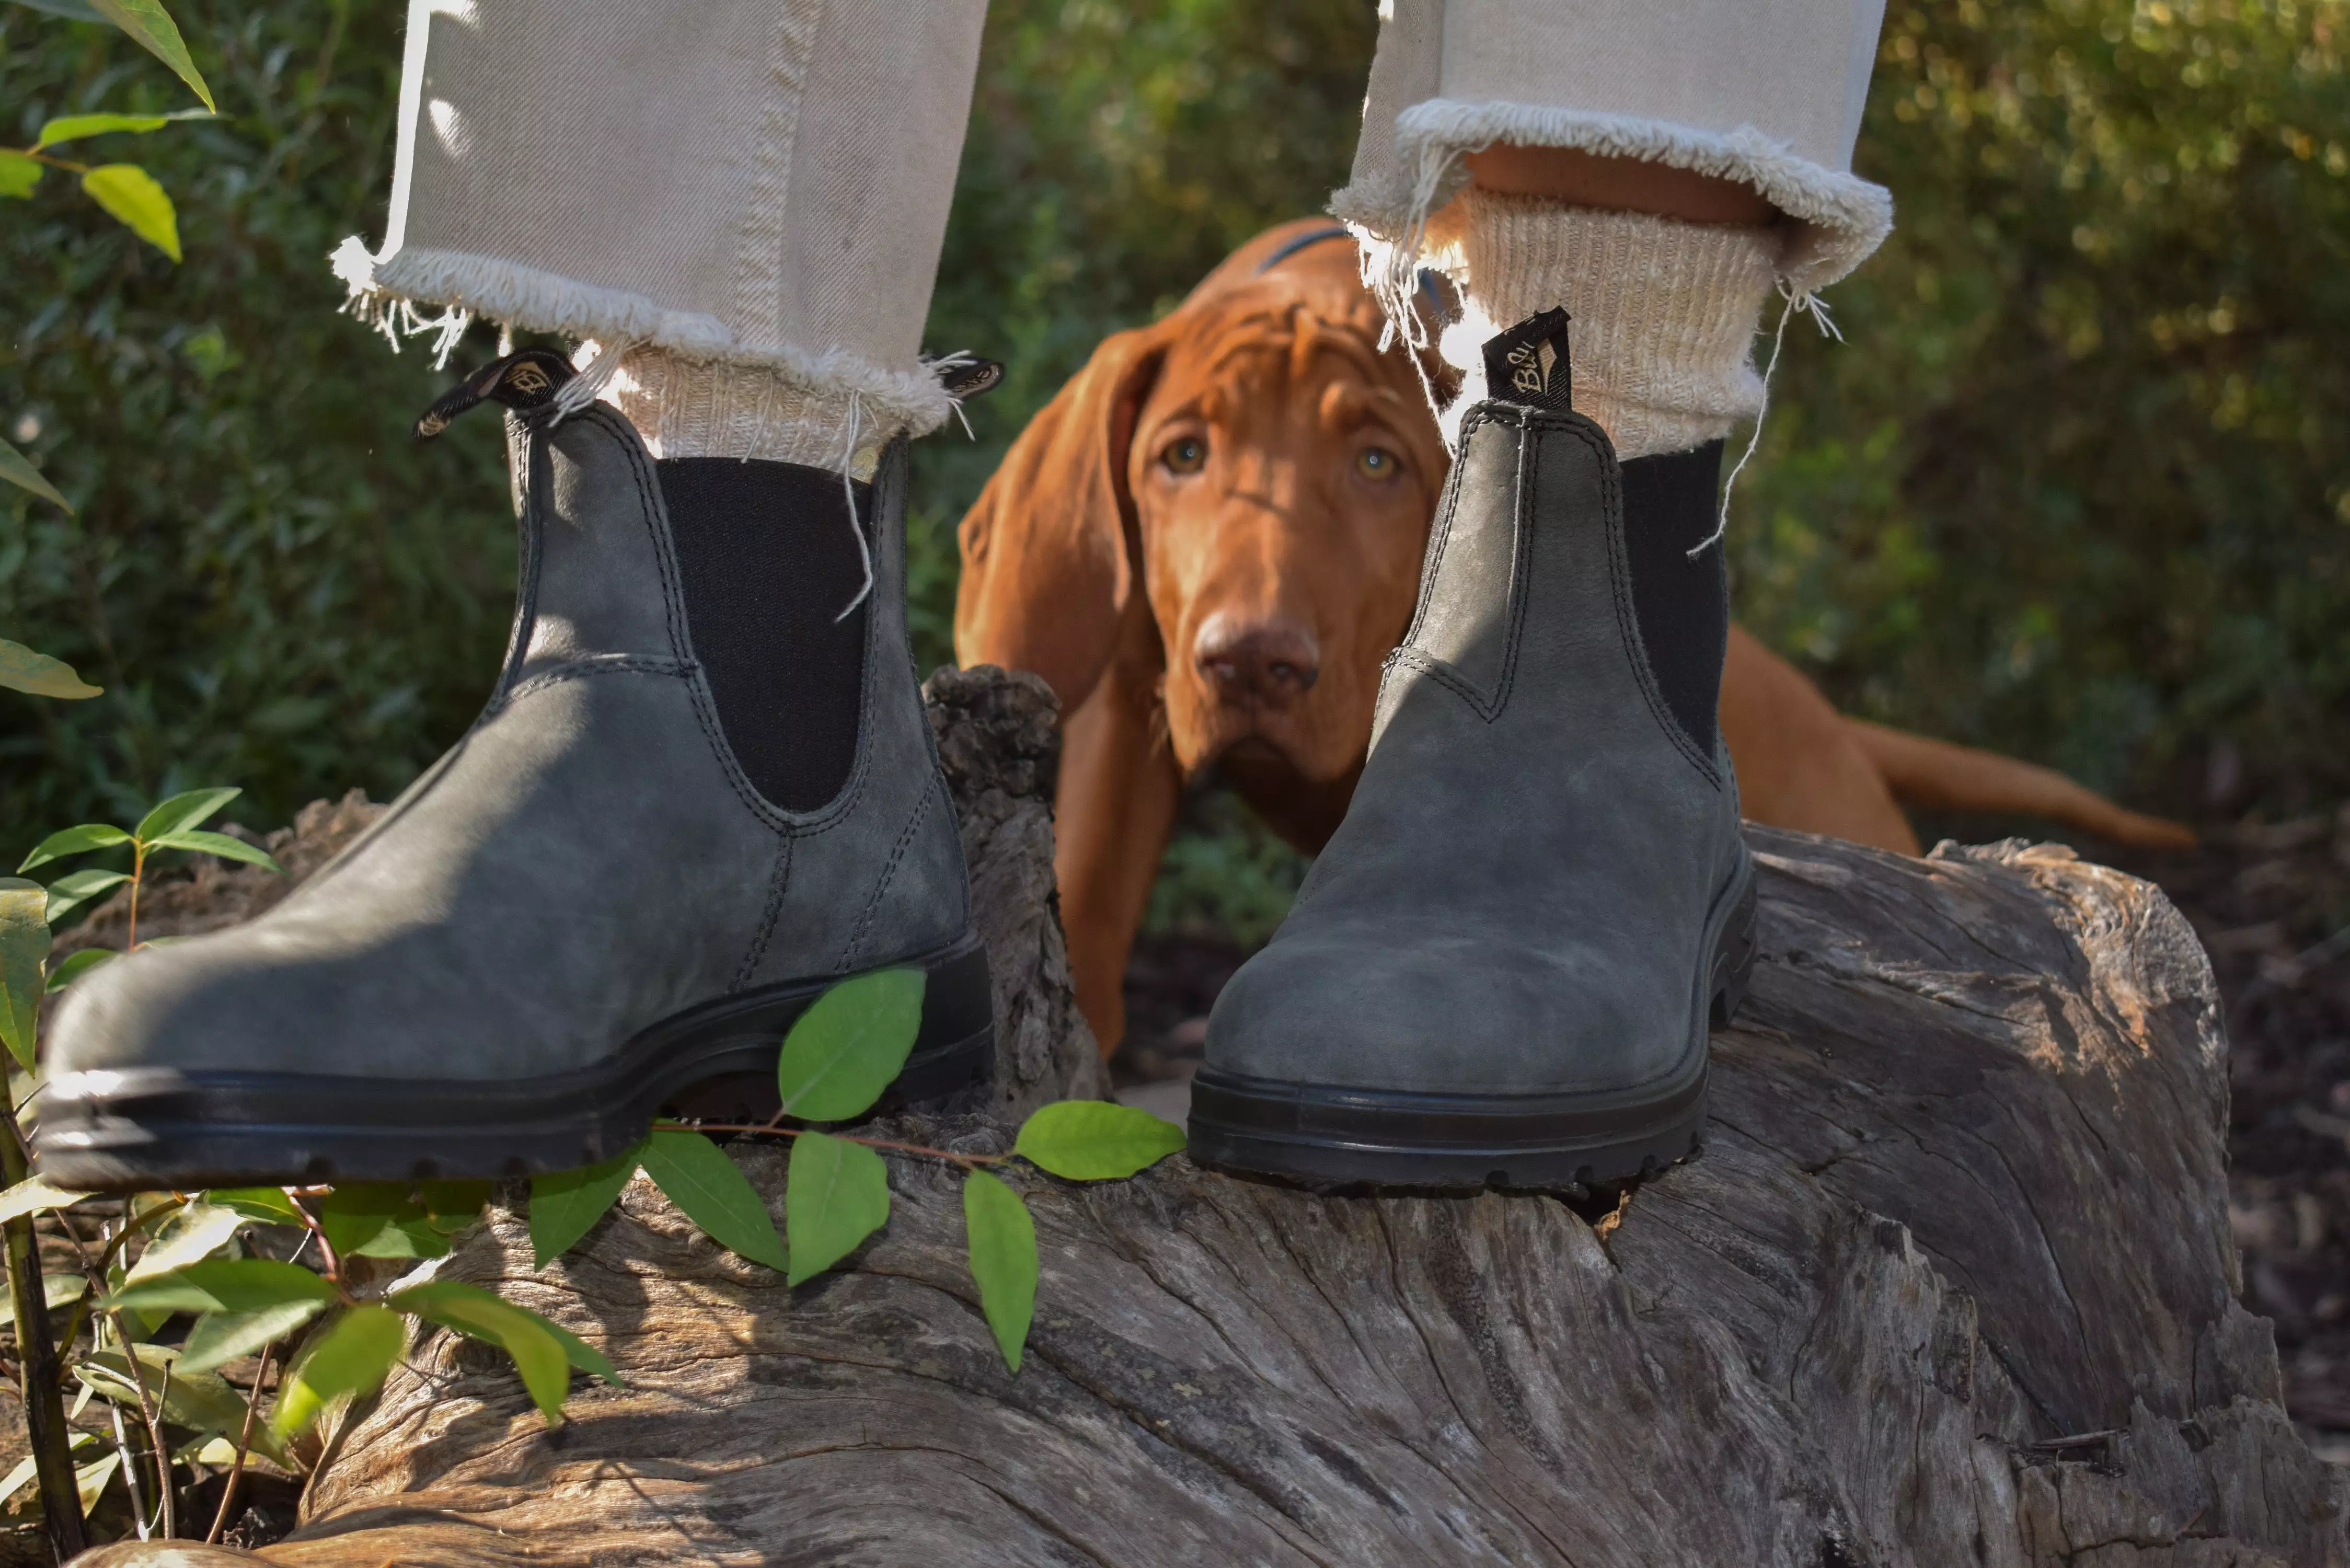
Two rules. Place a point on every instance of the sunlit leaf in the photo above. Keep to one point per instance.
(268, 1205)
(1003, 1241)
(349, 1360)
(57, 1291)
(847, 1047)
(30, 1196)
(75, 888)
(19, 175)
(23, 950)
(74, 841)
(220, 1338)
(1095, 1140)
(837, 1195)
(89, 1479)
(541, 1358)
(224, 1284)
(219, 844)
(566, 1204)
(18, 470)
(74, 965)
(75, 127)
(191, 1236)
(152, 25)
(131, 198)
(356, 1216)
(188, 809)
(710, 1190)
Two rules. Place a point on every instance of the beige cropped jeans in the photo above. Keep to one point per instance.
(759, 188)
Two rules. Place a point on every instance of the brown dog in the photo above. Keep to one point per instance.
(1210, 539)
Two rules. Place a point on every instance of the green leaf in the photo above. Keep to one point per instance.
(847, 1047)
(188, 809)
(74, 965)
(75, 888)
(22, 670)
(18, 174)
(89, 1479)
(543, 1360)
(706, 1184)
(188, 1237)
(75, 10)
(356, 1215)
(201, 1401)
(408, 1236)
(224, 1284)
(131, 198)
(837, 1195)
(220, 1338)
(75, 127)
(566, 1204)
(78, 840)
(268, 1205)
(219, 844)
(26, 1197)
(57, 1291)
(1002, 1260)
(18, 470)
(582, 1355)
(1094, 1140)
(151, 27)
(23, 951)
(349, 1360)
(450, 1206)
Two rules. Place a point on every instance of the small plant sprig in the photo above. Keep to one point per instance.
(838, 1059)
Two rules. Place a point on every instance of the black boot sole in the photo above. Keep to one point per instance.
(159, 1128)
(1327, 1135)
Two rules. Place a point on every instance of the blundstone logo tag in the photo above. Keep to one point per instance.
(1528, 364)
(525, 381)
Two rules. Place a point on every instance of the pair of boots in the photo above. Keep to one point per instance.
(699, 796)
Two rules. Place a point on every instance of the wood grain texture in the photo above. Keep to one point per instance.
(1950, 1284)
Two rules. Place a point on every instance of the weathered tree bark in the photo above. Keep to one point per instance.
(1952, 1283)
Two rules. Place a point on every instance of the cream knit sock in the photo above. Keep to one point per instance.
(1664, 313)
(707, 407)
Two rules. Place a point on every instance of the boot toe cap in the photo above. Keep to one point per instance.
(1439, 1014)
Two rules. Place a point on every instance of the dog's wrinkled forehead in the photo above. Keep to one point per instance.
(1268, 341)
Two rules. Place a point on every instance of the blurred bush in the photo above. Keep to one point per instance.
(274, 588)
(2073, 488)
(2079, 485)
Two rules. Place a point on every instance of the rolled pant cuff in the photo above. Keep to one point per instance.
(397, 294)
(1839, 219)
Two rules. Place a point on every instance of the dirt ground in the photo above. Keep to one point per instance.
(2271, 902)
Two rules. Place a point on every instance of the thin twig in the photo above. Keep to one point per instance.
(130, 1470)
(966, 1160)
(243, 1447)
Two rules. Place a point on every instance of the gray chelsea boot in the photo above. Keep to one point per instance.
(696, 798)
(1503, 968)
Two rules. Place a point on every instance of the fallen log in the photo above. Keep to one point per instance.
(1951, 1283)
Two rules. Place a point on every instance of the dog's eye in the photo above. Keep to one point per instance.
(1187, 455)
(1378, 462)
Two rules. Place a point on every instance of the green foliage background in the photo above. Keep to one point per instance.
(2075, 487)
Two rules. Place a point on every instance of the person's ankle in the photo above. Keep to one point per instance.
(1664, 313)
(710, 408)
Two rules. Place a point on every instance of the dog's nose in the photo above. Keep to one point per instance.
(1270, 660)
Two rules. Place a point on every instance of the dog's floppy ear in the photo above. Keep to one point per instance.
(1049, 551)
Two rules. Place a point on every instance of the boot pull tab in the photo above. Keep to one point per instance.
(525, 381)
(964, 376)
(1528, 364)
